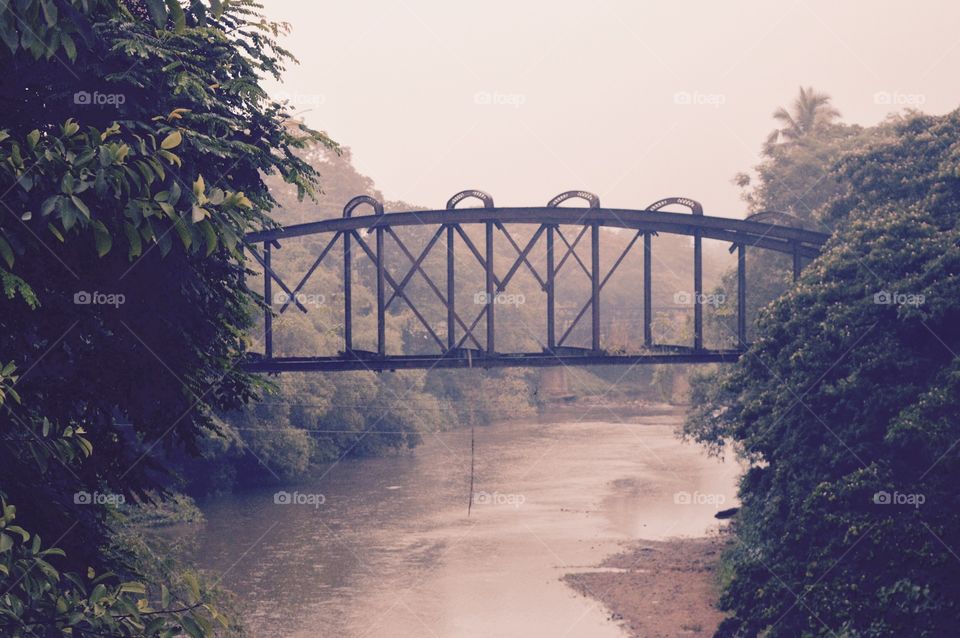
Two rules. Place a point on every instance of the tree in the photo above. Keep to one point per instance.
(847, 407)
(133, 149)
(811, 111)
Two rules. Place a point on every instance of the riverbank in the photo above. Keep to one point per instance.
(658, 588)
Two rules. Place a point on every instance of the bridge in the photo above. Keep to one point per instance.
(467, 341)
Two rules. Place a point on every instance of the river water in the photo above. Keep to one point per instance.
(384, 546)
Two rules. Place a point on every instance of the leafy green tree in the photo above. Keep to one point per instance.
(847, 407)
(134, 143)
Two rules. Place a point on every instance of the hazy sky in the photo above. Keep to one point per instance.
(631, 100)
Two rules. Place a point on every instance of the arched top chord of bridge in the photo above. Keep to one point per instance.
(349, 236)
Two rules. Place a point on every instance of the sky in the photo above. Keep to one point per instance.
(633, 101)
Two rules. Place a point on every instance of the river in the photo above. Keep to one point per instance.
(384, 546)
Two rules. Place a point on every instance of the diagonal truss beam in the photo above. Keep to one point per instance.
(417, 267)
(473, 249)
(271, 274)
(543, 284)
(502, 285)
(606, 278)
(316, 264)
(572, 250)
(393, 283)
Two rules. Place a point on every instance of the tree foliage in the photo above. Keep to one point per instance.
(847, 406)
(134, 144)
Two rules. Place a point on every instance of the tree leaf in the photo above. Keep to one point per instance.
(171, 141)
(6, 252)
(102, 238)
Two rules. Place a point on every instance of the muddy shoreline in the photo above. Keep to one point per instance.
(658, 589)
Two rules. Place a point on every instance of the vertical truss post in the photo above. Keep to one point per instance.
(491, 292)
(347, 296)
(551, 293)
(268, 299)
(742, 295)
(381, 318)
(451, 292)
(595, 283)
(697, 291)
(647, 292)
(797, 264)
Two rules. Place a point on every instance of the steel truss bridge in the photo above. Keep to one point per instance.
(349, 237)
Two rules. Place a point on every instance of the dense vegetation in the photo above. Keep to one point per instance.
(134, 142)
(847, 405)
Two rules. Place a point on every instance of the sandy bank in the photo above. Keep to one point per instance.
(658, 589)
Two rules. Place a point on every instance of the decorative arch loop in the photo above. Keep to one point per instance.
(587, 196)
(467, 194)
(362, 199)
(695, 207)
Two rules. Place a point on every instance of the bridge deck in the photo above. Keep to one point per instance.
(464, 359)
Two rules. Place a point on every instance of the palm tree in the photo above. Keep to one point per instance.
(811, 110)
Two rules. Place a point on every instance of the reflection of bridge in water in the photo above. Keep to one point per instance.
(464, 345)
